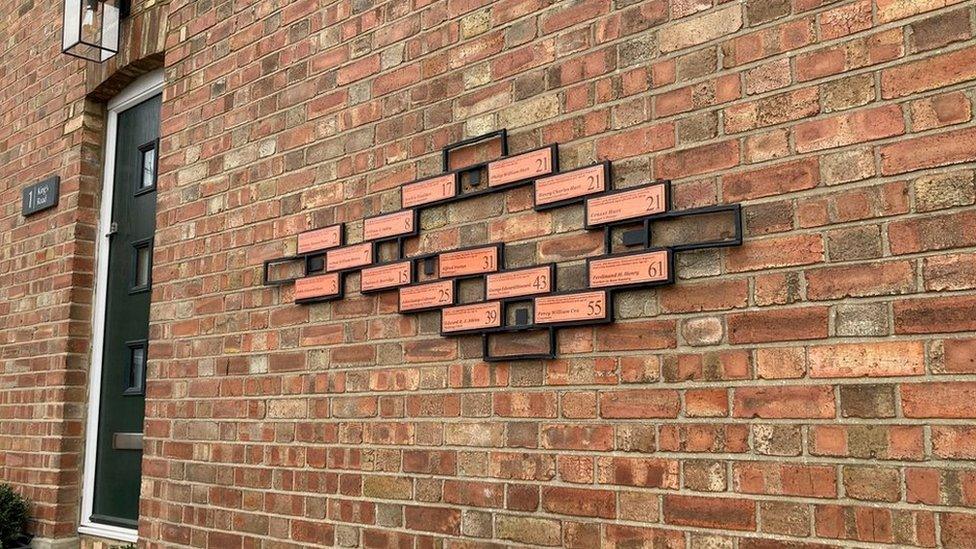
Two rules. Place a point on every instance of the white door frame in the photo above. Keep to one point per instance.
(143, 88)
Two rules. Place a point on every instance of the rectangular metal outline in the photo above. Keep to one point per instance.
(420, 258)
(607, 319)
(414, 232)
(554, 169)
(136, 245)
(553, 344)
(445, 152)
(552, 280)
(144, 148)
(736, 240)
(457, 191)
(325, 265)
(100, 48)
(323, 299)
(284, 281)
(128, 389)
(501, 321)
(671, 275)
(455, 287)
(607, 173)
(387, 288)
(586, 206)
(342, 239)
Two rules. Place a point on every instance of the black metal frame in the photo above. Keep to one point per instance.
(129, 389)
(607, 186)
(415, 212)
(143, 149)
(486, 344)
(649, 284)
(457, 190)
(553, 167)
(446, 159)
(317, 251)
(455, 287)
(341, 283)
(134, 286)
(552, 279)
(607, 318)
(500, 260)
(325, 256)
(501, 320)
(410, 275)
(586, 205)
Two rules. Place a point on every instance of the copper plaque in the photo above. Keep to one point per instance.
(569, 185)
(385, 276)
(629, 269)
(521, 167)
(389, 225)
(320, 239)
(625, 205)
(571, 307)
(427, 191)
(426, 296)
(537, 280)
(467, 262)
(312, 287)
(477, 316)
(349, 257)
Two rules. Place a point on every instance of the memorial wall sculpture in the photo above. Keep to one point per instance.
(516, 302)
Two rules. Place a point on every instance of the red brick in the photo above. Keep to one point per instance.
(959, 356)
(923, 316)
(889, 278)
(814, 481)
(778, 325)
(698, 160)
(958, 530)
(939, 400)
(640, 403)
(635, 142)
(710, 512)
(773, 180)
(940, 110)
(784, 402)
(937, 232)
(868, 359)
(848, 128)
(433, 519)
(929, 151)
(954, 441)
(786, 251)
(929, 73)
(579, 502)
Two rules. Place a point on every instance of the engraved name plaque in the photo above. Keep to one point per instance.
(426, 296)
(468, 262)
(570, 308)
(320, 239)
(318, 288)
(565, 187)
(624, 205)
(428, 191)
(350, 257)
(522, 282)
(521, 167)
(389, 225)
(382, 277)
(625, 270)
(477, 316)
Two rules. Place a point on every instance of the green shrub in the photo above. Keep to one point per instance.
(13, 516)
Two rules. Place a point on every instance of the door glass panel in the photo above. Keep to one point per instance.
(143, 265)
(147, 176)
(136, 376)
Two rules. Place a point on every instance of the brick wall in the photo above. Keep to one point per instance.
(814, 385)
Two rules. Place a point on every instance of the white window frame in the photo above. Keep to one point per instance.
(145, 87)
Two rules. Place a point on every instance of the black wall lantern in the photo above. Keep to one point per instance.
(91, 28)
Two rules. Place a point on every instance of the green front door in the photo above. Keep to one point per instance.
(122, 401)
